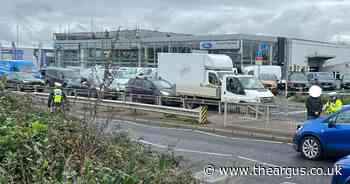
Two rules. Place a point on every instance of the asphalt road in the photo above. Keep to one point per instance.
(200, 150)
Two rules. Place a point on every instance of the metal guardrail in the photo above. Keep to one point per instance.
(190, 113)
(183, 102)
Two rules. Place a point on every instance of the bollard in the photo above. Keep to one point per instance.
(203, 115)
(183, 103)
(257, 111)
(267, 115)
(219, 107)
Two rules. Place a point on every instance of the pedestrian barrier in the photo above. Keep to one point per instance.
(203, 117)
(177, 101)
(182, 112)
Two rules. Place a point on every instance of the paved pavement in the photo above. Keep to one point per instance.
(201, 149)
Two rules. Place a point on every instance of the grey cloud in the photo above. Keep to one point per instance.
(312, 19)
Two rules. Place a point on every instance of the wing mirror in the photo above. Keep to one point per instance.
(332, 122)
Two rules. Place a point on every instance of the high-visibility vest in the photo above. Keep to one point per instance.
(338, 104)
(57, 96)
(333, 107)
(330, 107)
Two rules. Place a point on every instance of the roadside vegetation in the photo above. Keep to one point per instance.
(38, 147)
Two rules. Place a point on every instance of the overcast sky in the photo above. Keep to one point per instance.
(326, 20)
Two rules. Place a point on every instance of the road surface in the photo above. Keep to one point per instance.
(201, 149)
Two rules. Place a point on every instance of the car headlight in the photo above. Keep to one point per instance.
(165, 93)
(299, 127)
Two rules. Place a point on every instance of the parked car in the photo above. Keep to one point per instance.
(344, 177)
(24, 81)
(65, 76)
(324, 79)
(345, 81)
(269, 81)
(95, 78)
(150, 89)
(327, 135)
(297, 81)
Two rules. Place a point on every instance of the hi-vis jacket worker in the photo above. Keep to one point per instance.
(333, 105)
(56, 98)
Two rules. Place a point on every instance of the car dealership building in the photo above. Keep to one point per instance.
(140, 48)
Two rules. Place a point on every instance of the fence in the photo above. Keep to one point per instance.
(177, 101)
(281, 115)
(285, 114)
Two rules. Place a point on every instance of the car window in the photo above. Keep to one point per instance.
(343, 117)
(298, 77)
(147, 84)
(346, 77)
(138, 82)
(309, 76)
(213, 79)
(233, 85)
(162, 84)
(131, 82)
(250, 83)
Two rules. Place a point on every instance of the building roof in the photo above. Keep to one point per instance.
(210, 38)
(122, 34)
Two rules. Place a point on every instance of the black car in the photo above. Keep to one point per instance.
(345, 81)
(324, 79)
(24, 81)
(297, 82)
(143, 89)
(65, 76)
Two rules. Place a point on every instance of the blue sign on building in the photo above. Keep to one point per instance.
(206, 45)
(263, 46)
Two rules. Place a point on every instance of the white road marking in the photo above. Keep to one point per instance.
(236, 138)
(259, 162)
(208, 153)
(212, 179)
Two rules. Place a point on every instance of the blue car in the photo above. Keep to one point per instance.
(324, 136)
(344, 178)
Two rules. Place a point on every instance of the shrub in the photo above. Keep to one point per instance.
(37, 147)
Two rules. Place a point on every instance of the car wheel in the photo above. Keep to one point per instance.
(311, 148)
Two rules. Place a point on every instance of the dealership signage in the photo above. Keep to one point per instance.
(215, 45)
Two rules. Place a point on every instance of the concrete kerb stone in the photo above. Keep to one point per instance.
(243, 131)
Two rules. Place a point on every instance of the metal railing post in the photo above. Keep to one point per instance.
(257, 111)
(225, 114)
(183, 102)
(124, 96)
(267, 115)
(159, 100)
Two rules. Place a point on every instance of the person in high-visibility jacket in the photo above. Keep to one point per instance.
(56, 98)
(333, 105)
